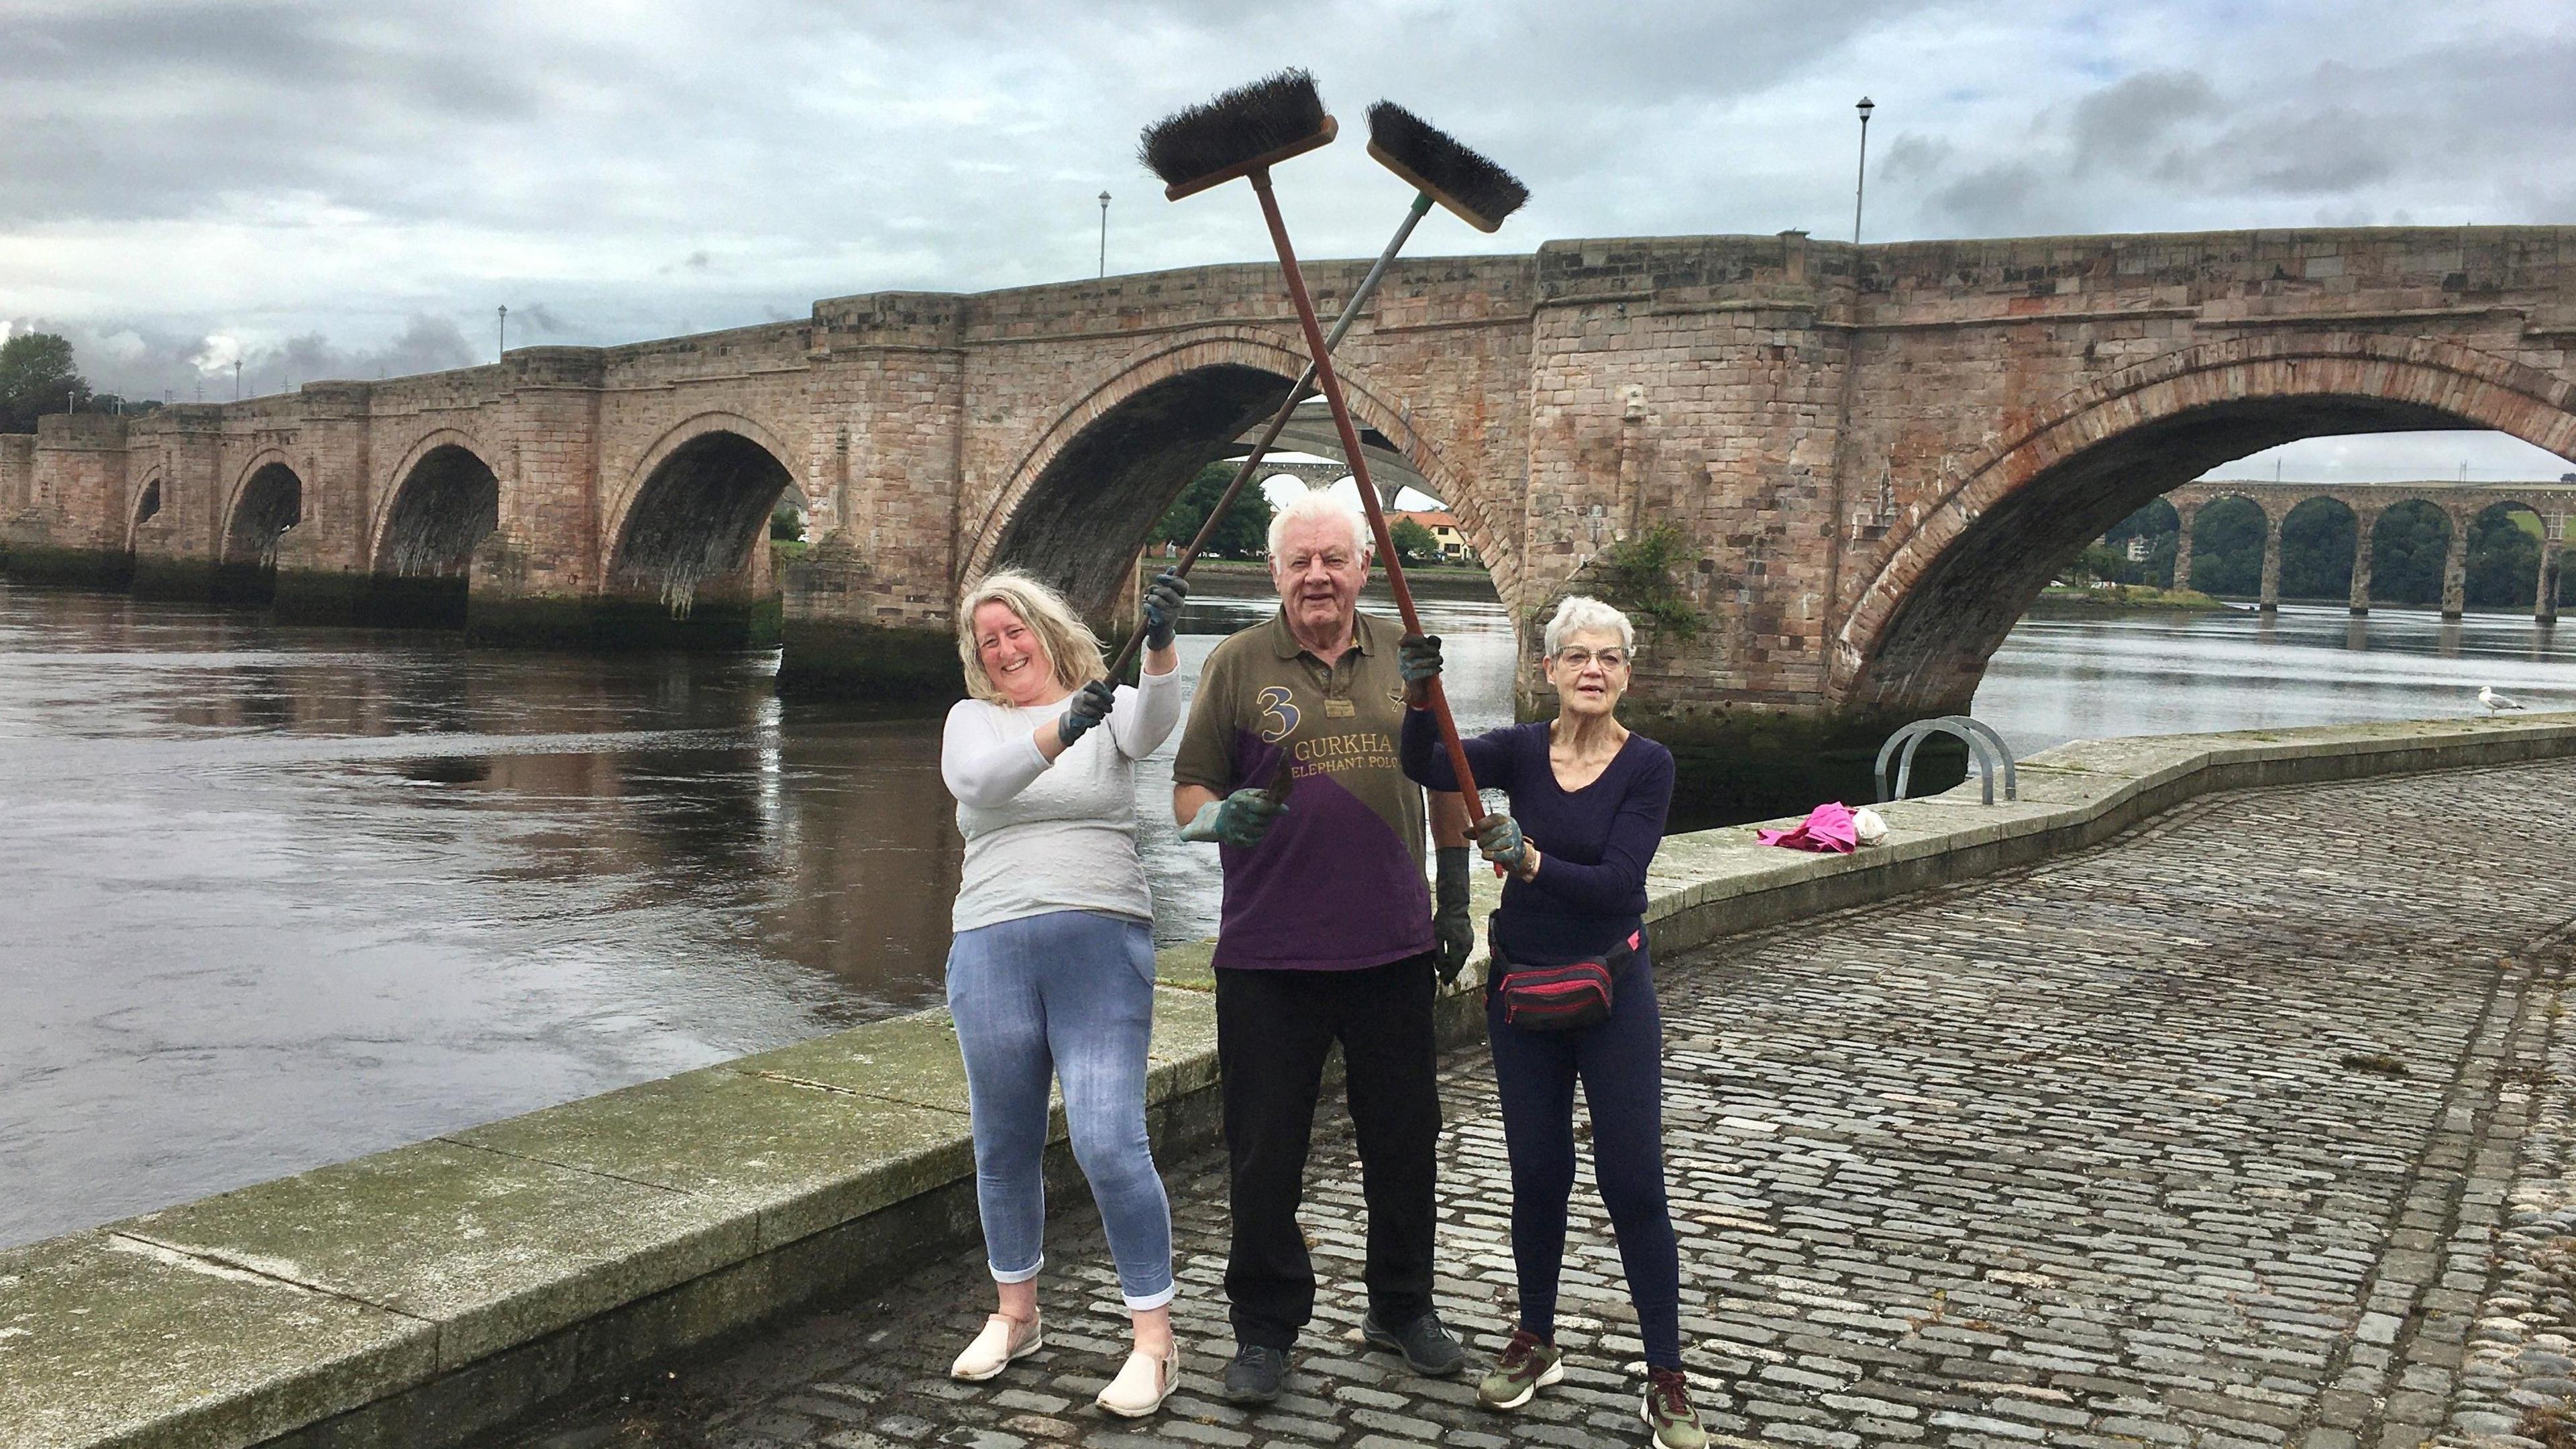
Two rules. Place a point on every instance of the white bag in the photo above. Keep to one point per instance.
(1868, 826)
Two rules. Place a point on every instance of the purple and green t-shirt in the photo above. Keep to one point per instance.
(1337, 883)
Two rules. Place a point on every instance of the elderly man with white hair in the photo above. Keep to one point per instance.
(1327, 935)
(1570, 993)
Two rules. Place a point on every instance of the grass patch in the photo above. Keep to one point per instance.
(1636, 577)
(2125, 599)
(2550, 1425)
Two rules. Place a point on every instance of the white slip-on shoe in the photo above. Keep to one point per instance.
(1142, 1385)
(993, 1349)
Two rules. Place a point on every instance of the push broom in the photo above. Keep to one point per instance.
(1440, 170)
(1245, 132)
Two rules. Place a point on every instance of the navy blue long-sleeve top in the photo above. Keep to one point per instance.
(1594, 843)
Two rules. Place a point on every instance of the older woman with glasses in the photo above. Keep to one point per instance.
(1570, 996)
(1051, 975)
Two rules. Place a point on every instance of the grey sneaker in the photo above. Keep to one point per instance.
(1255, 1375)
(1426, 1346)
(1527, 1366)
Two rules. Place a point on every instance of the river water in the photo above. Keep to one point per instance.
(278, 897)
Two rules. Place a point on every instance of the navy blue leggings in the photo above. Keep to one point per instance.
(1620, 1063)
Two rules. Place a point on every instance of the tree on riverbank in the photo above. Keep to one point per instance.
(2160, 526)
(2504, 559)
(2227, 547)
(36, 377)
(1246, 530)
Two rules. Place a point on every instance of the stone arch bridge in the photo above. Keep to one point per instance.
(1871, 458)
(2459, 503)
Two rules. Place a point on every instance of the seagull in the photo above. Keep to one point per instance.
(2496, 702)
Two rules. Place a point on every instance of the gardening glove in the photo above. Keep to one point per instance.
(1498, 836)
(1163, 600)
(1240, 819)
(1417, 657)
(1450, 925)
(1089, 706)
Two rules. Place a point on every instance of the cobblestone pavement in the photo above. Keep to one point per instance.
(2245, 1129)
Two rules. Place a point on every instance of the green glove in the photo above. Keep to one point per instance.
(1499, 837)
(1240, 819)
(1163, 600)
(1417, 658)
(1450, 923)
(1089, 706)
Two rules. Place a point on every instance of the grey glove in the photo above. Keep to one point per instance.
(1417, 657)
(1163, 600)
(1089, 706)
(1450, 924)
(1498, 836)
(1240, 819)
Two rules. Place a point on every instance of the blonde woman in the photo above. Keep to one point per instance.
(1051, 976)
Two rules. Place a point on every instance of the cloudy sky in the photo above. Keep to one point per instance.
(350, 189)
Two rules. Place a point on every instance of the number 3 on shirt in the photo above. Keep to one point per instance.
(1278, 716)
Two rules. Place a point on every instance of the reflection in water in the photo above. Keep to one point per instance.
(2060, 679)
(280, 897)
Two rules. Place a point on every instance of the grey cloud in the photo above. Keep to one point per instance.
(425, 344)
(2120, 124)
(152, 361)
(1991, 199)
(1915, 157)
(155, 111)
(2412, 129)
(691, 165)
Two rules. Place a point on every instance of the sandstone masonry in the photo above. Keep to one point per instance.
(1873, 457)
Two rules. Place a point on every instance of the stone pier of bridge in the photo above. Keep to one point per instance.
(1856, 466)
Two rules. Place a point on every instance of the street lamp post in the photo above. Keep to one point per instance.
(1104, 233)
(1861, 184)
(505, 335)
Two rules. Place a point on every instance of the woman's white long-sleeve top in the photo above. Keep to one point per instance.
(1044, 837)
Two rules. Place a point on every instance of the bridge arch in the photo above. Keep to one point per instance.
(1922, 627)
(1079, 502)
(266, 502)
(2409, 542)
(2214, 567)
(2502, 562)
(147, 505)
(697, 507)
(445, 498)
(2318, 538)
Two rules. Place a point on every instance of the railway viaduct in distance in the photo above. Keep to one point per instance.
(1871, 459)
(2460, 504)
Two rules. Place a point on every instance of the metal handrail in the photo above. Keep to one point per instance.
(1986, 750)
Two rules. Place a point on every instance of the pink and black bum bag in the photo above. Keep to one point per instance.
(1557, 998)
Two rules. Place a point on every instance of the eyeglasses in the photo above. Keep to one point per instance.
(1608, 659)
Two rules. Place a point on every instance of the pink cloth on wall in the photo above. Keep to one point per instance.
(1827, 828)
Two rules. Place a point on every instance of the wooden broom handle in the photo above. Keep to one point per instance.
(1331, 387)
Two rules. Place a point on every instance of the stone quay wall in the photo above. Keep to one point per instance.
(427, 1295)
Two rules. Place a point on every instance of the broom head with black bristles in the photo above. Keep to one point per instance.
(1247, 129)
(1433, 162)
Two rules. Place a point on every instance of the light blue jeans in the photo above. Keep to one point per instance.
(1065, 995)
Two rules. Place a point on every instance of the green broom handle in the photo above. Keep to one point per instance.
(1297, 393)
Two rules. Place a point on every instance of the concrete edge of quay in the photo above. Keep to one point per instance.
(430, 1293)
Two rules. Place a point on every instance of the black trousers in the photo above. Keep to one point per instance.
(1273, 1029)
